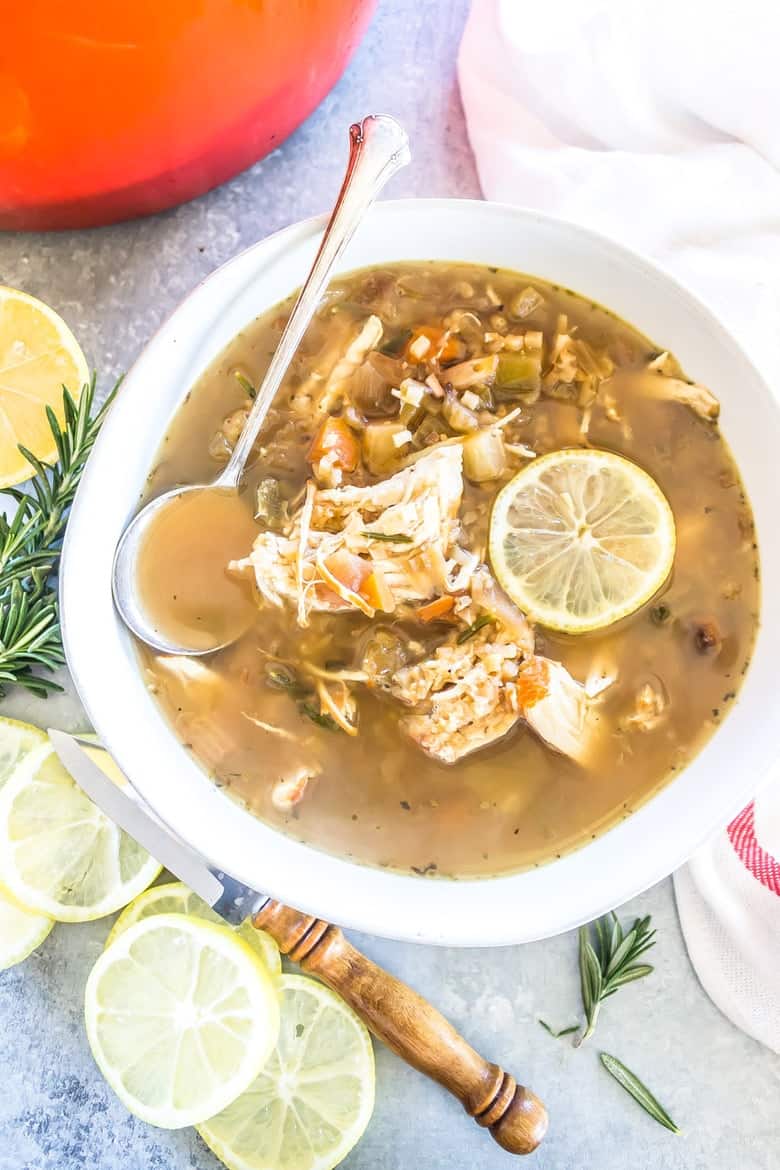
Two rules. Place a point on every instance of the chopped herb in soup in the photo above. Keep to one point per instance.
(389, 699)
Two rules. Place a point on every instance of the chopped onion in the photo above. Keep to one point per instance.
(411, 392)
(459, 417)
(525, 302)
(419, 347)
(370, 386)
(478, 371)
(484, 457)
(379, 448)
(466, 324)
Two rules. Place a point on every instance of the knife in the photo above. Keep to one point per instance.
(229, 898)
(397, 1015)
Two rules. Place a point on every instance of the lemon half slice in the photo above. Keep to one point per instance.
(38, 356)
(315, 1096)
(21, 931)
(17, 741)
(59, 854)
(176, 898)
(181, 1017)
(581, 538)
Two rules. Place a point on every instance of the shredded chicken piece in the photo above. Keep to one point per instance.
(650, 708)
(290, 790)
(419, 504)
(490, 598)
(576, 370)
(563, 357)
(612, 412)
(669, 386)
(338, 701)
(698, 398)
(557, 707)
(460, 696)
(322, 392)
(280, 732)
(188, 671)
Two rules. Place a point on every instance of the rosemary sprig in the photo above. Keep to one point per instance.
(472, 630)
(30, 545)
(632, 1084)
(611, 963)
(389, 537)
(561, 1031)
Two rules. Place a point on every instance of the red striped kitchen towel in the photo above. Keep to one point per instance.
(728, 897)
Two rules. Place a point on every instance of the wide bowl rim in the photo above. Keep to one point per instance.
(466, 912)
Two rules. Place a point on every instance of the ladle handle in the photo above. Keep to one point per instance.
(411, 1027)
(378, 148)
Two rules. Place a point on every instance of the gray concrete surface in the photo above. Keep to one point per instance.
(114, 286)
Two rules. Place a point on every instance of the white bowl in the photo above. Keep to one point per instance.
(627, 859)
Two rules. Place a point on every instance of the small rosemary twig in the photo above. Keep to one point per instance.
(30, 544)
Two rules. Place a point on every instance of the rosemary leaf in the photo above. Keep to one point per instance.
(245, 384)
(474, 628)
(326, 721)
(628, 976)
(30, 543)
(561, 1032)
(641, 1094)
(389, 537)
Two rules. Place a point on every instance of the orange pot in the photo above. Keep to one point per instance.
(110, 110)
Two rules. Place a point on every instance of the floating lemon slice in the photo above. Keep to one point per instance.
(21, 931)
(38, 356)
(581, 538)
(59, 854)
(181, 1017)
(176, 898)
(315, 1095)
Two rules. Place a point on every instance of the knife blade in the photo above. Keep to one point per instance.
(229, 898)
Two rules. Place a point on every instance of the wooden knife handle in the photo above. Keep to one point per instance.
(411, 1027)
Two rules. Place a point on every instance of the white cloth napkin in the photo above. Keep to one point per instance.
(658, 123)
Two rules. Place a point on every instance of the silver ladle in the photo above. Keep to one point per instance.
(379, 147)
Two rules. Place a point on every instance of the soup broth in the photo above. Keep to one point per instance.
(267, 716)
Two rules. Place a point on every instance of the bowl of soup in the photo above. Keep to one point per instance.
(494, 577)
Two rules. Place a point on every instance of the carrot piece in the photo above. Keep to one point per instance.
(360, 577)
(533, 683)
(436, 608)
(377, 592)
(351, 570)
(334, 436)
(442, 346)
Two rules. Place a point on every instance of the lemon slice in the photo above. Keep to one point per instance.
(181, 1017)
(176, 898)
(17, 743)
(59, 854)
(315, 1095)
(581, 538)
(38, 356)
(21, 931)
